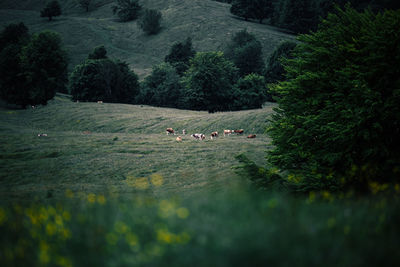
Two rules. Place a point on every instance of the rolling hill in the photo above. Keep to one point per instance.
(208, 23)
(94, 147)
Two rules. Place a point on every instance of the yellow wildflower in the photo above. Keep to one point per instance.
(101, 199)
(182, 213)
(91, 198)
(157, 179)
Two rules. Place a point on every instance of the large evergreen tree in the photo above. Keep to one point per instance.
(337, 124)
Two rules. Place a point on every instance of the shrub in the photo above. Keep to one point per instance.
(337, 121)
(51, 10)
(150, 23)
(105, 80)
(162, 87)
(208, 82)
(127, 10)
(180, 54)
(99, 52)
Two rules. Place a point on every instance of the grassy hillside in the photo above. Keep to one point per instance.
(103, 147)
(208, 23)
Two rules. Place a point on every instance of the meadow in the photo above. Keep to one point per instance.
(108, 187)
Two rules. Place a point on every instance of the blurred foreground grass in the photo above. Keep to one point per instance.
(239, 228)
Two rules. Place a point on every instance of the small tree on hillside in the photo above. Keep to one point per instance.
(51, 10)
(85, 4)
(246, 52)
(99, 52)
(241, 8)
(150, 22)
(180, 54)
(209, 83)
(127, 10)
(104, 79)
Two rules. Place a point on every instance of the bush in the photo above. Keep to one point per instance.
(31, 71)
(51, 10)
(127, 10)
(150, 23)
(180, 54)
(246, 52)
(99, 52)
(208, 83)
(337, 122)
(161, 88)
(105, 80)
(251, 92)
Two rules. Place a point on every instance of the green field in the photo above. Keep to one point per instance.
(126, 143)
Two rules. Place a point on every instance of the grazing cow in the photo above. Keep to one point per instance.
(86, 132)
(179, 139)
(239, 131)
(251, 136)
(42, 134)
(99, 102)
(184, 132)
(170, 131)
(214, 134)
(228, 132)
(198, 136)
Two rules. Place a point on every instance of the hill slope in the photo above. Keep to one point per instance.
(208, 23)
(111, 147)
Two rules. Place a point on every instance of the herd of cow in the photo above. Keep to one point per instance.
(213, 135)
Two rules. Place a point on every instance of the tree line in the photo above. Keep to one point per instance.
(299, 16)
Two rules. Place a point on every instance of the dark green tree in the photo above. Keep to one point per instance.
(246, 52)
(150, 22)
(99, 52)
(208, 82)
(14, 34)
(44, 63)
(261, 9)
(251, 92)
(127, 10)
(180, 54)
(337, 124)
(241, 8)
(85, 4)
(275, 71)
(52, 9)
(105, 80)
(162, 87)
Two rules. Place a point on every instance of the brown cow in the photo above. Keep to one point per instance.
(228, 132)
(251, 136)
(170, 131)
(238, 131)
(179, 139)
(214, 134)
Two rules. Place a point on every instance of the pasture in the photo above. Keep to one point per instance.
(95, 147)
(108, 187)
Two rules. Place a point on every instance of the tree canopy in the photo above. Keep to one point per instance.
(337, 124)
(52, 9)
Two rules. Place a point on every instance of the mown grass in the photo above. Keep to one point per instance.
(208, 23)
(97, 146)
